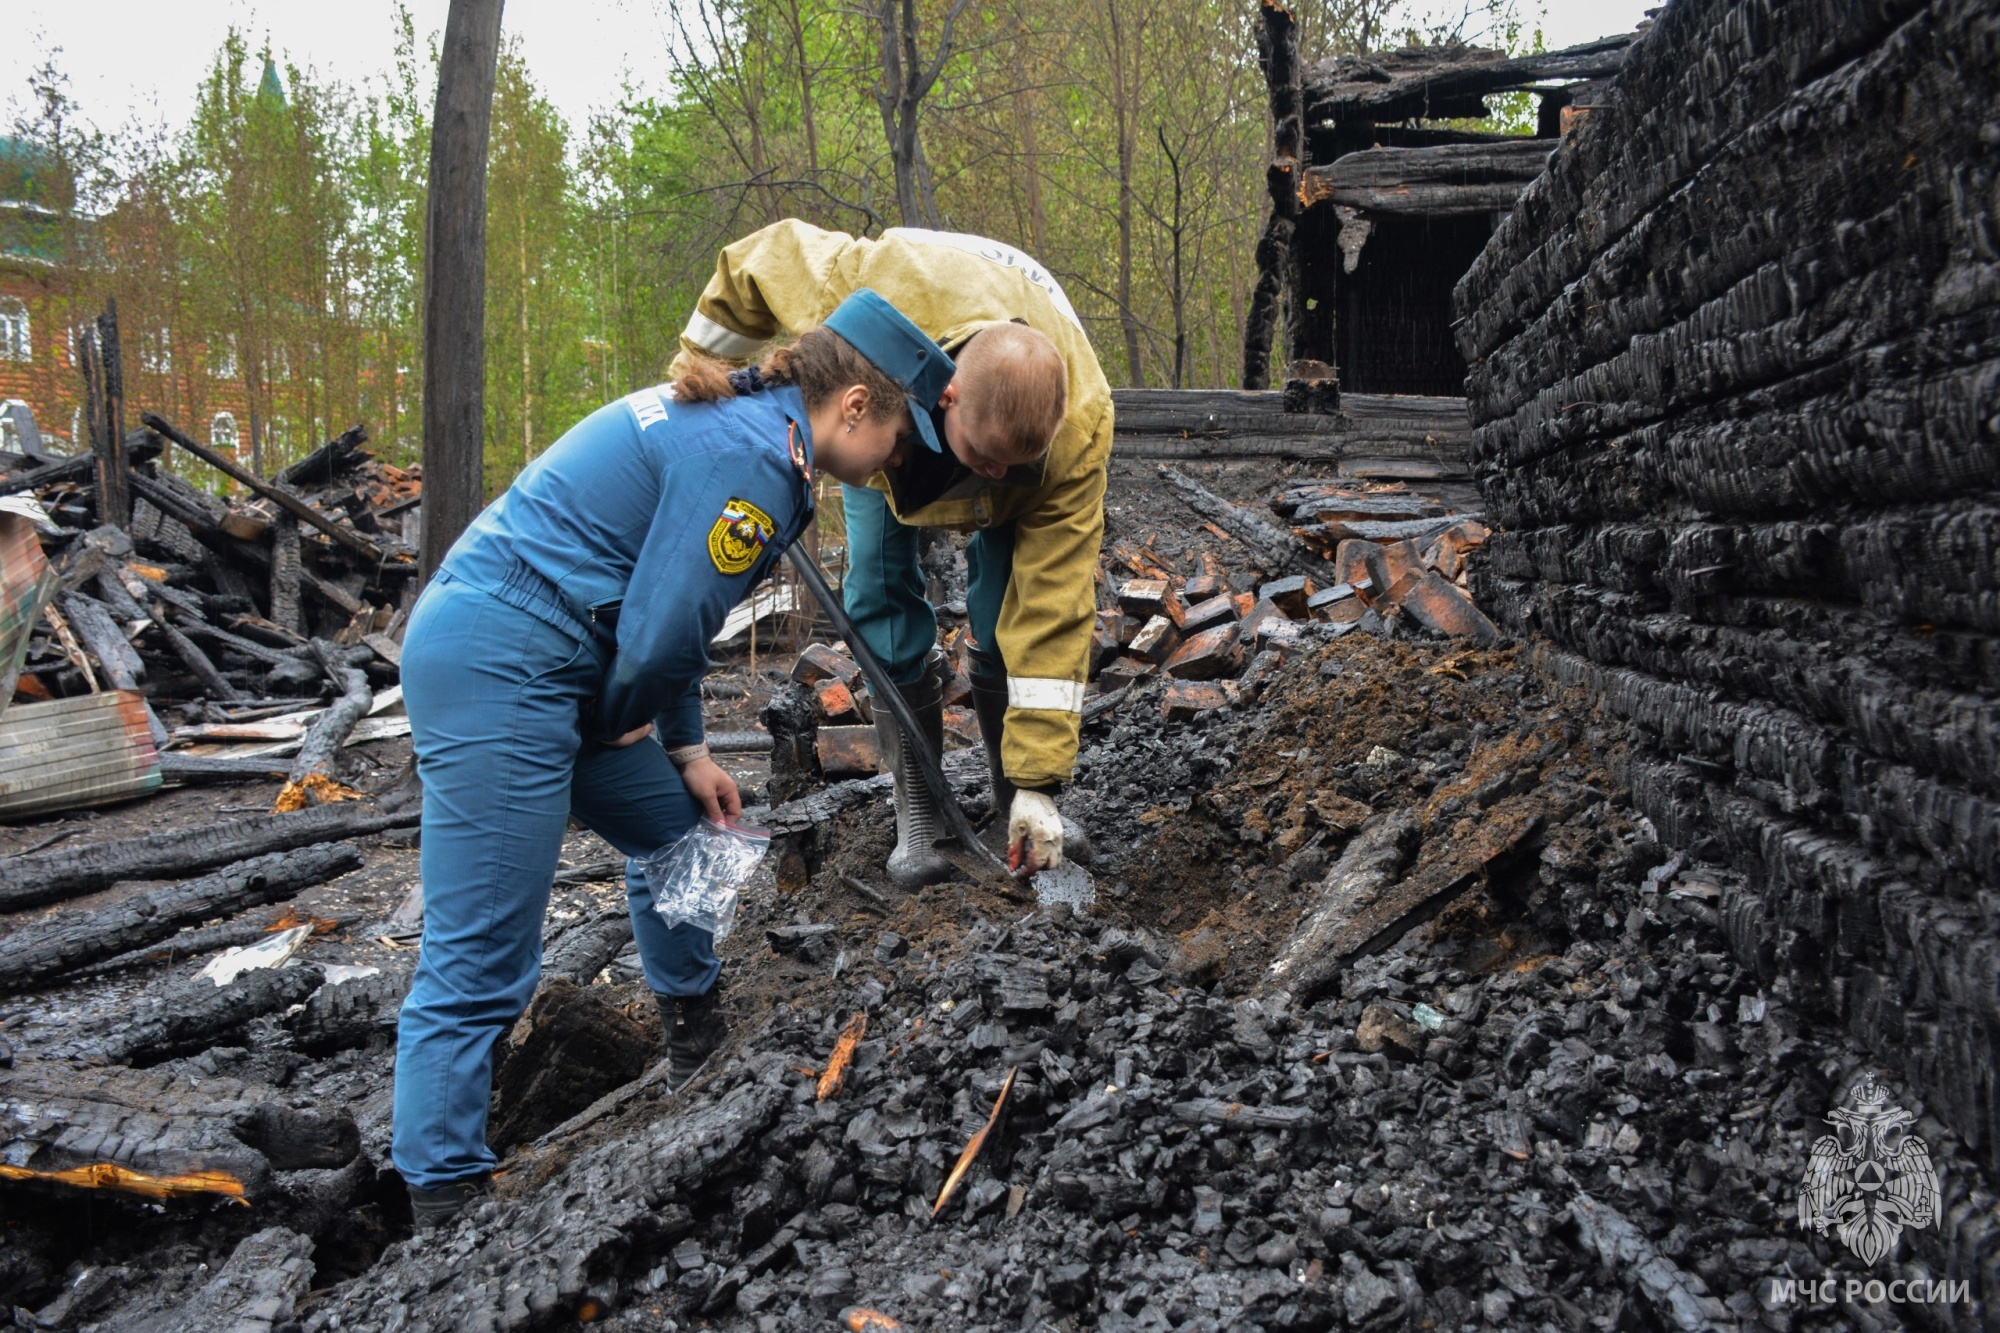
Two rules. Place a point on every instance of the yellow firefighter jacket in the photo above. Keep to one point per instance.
(789, 276)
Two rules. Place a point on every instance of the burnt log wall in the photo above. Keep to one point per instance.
(1734, 373)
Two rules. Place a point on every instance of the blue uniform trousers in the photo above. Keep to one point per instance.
(884, 589)
(495, 697)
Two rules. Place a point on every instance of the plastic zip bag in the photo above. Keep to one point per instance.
(699, 880)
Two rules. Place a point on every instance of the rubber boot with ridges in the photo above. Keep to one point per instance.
(915, 863)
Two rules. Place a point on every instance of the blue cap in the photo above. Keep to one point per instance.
(900, 350)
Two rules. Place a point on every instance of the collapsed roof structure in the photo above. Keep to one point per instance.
(1382, 197)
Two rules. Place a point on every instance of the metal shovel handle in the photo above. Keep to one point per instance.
(887, 695)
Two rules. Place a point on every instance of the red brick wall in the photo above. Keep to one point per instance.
(50, 385)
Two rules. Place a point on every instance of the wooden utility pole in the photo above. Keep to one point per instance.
(455, 278)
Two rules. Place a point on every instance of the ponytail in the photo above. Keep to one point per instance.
(820, 363)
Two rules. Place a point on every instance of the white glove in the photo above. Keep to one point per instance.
(1034, 833)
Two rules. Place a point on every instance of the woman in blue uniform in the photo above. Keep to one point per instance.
(568, 625)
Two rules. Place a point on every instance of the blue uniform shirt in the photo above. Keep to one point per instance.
(642, 526)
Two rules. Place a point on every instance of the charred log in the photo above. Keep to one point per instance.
(350, 1014)
(203, 770)
(123, 669)
(1440, 181)
(330, 729)
(537, 1257)
(70, 872)
(1270, 546)
(34, 954)
(323, 466)
(571, 1048)
(185, 1017)
(1367, 866)
(194, 941)
(215, 1135)
(585, 950)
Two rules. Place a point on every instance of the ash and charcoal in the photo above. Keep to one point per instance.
(1555, 1100)
(1393, 1008)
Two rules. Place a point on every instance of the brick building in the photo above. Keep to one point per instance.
(51, 282)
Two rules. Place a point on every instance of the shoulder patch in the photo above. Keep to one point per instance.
(739, 535)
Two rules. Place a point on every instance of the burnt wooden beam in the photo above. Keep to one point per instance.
(1432, 182)
(193, 941)
(204, 770)
(80, 468)
(331, 728)
(1371, 435)
(1217, 413)
(351, 1014)
(218, 1136)
(1277, 268)
(70, 872)
(324, 465)
(333, 594)
(1270, 546)
(1367, 866)
(600, 1202)
(99, 362)
(282, 598)
(1442, 83)
(193, 657)
(101, 635)
(586, 949)
(189, 1016)
(256, 652)
(35, 954)
(278, 495)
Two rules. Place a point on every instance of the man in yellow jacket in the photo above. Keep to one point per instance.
(1036, 510)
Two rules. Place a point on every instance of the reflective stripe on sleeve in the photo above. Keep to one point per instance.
(1055, 696)
(706, 333)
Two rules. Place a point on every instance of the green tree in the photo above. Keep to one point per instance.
(537, 372)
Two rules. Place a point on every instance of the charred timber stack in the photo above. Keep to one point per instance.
(1367, 435)
(136, 599)
(1379, 203)
(1734, 359)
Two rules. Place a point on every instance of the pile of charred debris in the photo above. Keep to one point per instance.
(1389, 1012)
(166, 626)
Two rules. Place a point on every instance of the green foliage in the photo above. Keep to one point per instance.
(269, 253)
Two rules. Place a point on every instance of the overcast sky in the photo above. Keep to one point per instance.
(128, 59)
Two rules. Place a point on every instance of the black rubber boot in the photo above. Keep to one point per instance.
(914, 863)
(695, 1028)
(989, 705)
(440, 1207)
